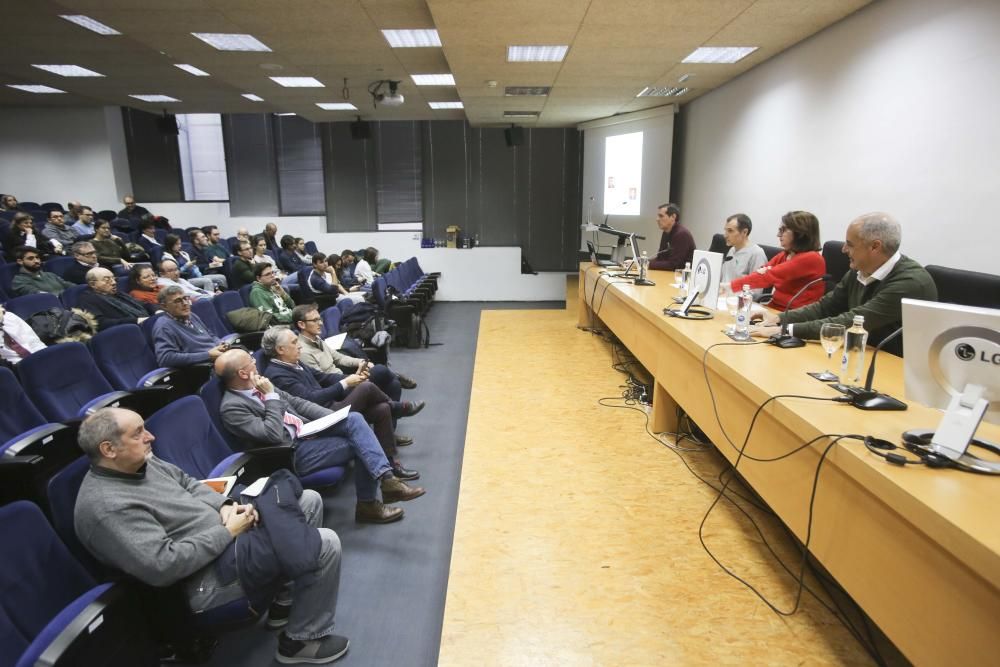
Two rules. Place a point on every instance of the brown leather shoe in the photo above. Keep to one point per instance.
(394, 490)
(373, 511)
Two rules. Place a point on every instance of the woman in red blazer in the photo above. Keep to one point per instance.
(798, 263)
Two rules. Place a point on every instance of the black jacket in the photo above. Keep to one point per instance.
(112, 309)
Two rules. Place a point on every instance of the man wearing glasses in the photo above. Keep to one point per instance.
(86, 259)
(267, 295)
(180, 338)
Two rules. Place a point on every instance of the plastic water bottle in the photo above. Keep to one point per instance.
(853, 362)
(686, 278)
(643, 265)
(743, 314)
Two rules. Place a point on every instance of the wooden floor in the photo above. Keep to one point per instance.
(577, 534)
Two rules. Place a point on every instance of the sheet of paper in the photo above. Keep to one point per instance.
(221, 485)
(335, 342)
(323, 423)
(254, 489)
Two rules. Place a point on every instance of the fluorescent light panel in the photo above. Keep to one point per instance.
(671, 91)
(538, 91)
(287, 113)
(68, 70)
(520, 114)
(446, 105)
(89, 24)
(336, 106)
(191, 69)
(410, 39)
(719, 55)
(34, 88)
(297, 82)
(253, 98)
(225, 41)
(536, 54)
(155, 98)
(433, 79)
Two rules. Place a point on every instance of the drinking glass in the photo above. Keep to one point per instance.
(831, 336)
(733, 306)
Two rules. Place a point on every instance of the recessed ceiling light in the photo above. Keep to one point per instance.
(336, 106)
(287, 113)
(719, 54)
(409, 39)
(155, 98)
(536, 54)
(664, 91)
(520, 114)
(253, 98)
(685, 77)
(68, 70)
(446, 105)
(433, 79)
(297, 82)
(191, 69)
(511, 91)
(89, 24)
(225, 41)
(33, 88)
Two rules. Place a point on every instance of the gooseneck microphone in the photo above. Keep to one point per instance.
(868, 399)
(788, 340)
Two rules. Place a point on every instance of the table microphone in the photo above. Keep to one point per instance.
(867, 398)
(788, 340)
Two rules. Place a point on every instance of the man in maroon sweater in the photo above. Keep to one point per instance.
(676, 244)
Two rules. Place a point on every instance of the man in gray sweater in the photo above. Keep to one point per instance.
(149, 519)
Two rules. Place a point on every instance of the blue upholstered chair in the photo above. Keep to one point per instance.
(29, 304)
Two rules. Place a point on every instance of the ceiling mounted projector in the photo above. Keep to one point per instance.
(386, 93)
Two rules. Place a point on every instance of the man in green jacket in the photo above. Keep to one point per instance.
(267, 295)
(880, 277)
(31, 279)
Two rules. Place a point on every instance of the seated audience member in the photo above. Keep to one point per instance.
(180, 338)
(56, 228)
(270, 236)
(880, 277)
(147, 234)
(743, 257)
(142, 284)
(30, 279)
(242, 267)
(215, 247)
(72, 213)
(325, 287)
(335, 390)
(798, 263)
(17, 340)
(84, 224)
(149, 519)
(210, 267)
(363, 272)
(319, 356)
(111, 250)
(86, 259)
(288, 260)
(676, 243)
(171, 275)
(9, 203)
(267, 295)
(260, 415)
(174, 251)
(132, 212)
(260, 255)
(23, 233)
(243, 235)
(380, 265)
(348, 261)
(300, 250)
(108, 305)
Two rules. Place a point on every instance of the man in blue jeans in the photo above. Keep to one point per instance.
(146, 517)
(262, 416)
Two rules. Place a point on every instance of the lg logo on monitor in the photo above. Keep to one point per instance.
(967, 352)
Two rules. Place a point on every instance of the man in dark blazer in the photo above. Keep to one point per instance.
(86, 259)
(108, 305)
(262, 416)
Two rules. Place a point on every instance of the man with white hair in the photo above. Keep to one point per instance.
(170, 274)
(880, 277)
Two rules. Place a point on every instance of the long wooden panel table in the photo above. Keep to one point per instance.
(917, 548)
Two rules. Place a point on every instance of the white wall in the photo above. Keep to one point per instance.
(894, 109)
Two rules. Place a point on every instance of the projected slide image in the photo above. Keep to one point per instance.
(623, 174)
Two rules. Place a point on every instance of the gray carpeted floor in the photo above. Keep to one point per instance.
(394, 577)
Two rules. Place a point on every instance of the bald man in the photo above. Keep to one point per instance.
(880, 277)
(110, 306)
(262, 416)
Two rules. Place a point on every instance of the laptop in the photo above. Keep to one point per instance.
(595, 260)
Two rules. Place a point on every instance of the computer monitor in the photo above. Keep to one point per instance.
(703, 290)
(952, 362)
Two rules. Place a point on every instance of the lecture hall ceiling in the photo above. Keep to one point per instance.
(616, 49)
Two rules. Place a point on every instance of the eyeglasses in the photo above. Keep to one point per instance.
(87, 252)
(782, 229)
(266, 273)
(179, 300)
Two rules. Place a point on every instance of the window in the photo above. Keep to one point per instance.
(300, 166)
(399, 176)
(202, 157)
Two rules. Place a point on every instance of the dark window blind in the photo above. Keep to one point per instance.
(300, 166)
(398, 172)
